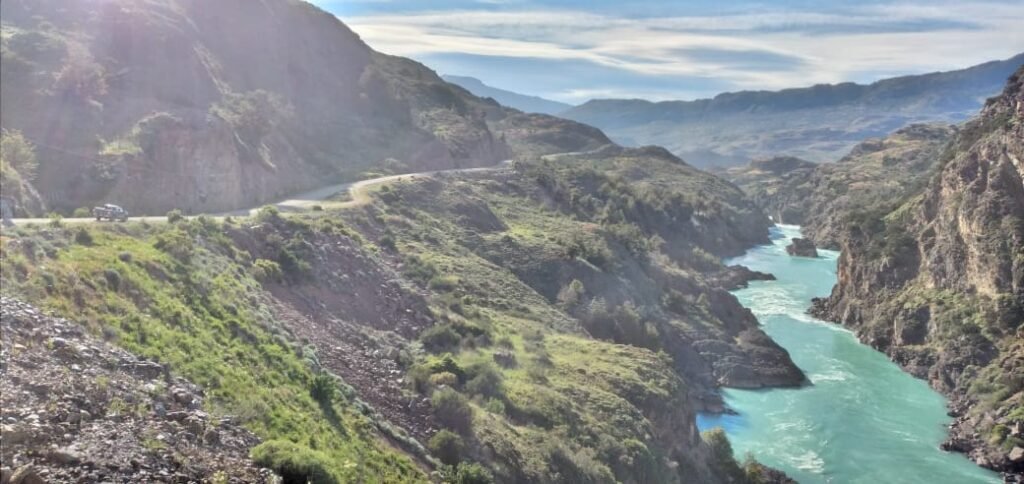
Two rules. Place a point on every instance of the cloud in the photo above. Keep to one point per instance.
(694, 55)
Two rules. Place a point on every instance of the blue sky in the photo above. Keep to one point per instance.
(574, 50)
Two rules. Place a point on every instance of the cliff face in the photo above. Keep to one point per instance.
(938, 283)
(877, 175)
(210, 106)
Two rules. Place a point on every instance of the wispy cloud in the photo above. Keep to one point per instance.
(697, 55)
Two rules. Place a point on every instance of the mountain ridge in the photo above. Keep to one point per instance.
(818, 123)
(523, 102)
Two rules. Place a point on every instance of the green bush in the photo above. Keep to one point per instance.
(452, 409)
(444, 283)
(113, 278)
(440, 338)
(175, 216)
(444, 379)
(83, 236)
(473, 473)
(495, 406)
(448, 364)
(387, 242)
(175, 242)
(485, 380)
(294, 463)
(447, 446)
(56, 220)
(323, 388)
(82, 212)
(268, 214)
(266, 270)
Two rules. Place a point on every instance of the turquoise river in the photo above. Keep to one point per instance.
(861, 420)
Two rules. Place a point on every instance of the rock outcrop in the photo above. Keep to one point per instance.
(76, 409)
(802, 248)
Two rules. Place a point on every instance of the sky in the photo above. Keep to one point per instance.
(575, 50)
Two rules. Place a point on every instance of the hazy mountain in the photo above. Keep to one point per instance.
(819, 123)
(522, 102)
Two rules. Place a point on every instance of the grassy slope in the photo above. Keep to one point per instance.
(201, 314)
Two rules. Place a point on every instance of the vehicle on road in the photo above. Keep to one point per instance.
(110, 212)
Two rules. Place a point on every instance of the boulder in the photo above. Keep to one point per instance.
(802, 248)
(1017, 454)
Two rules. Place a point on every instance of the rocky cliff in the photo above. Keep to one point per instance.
(938, 281)
(210, 106)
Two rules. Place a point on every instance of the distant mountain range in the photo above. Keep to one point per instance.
(522, 102)
(820, 123)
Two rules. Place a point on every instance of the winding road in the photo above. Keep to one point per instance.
(297, 203)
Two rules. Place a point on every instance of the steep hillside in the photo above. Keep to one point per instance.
(211, 106)
(877, 174)
(820, 123)
(558, 321)
(937, 282)
(522, 102)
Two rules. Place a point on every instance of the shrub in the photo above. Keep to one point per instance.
(448, 364)
(439, 338)
(485, 380)
(452, 409)
(265, 270)
(175, 242)
(268, 214)
(495, 406)
(444, 379)
(473, 473)
(174, 216)
(447, 446)
(83, 236)
(323, 388)
(113, 278)
(294, 463)
(56, 220)
(387, 242)
(82, 212)
(579, 466)
(446, 283)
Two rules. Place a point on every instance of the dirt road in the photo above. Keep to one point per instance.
(298, 203)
